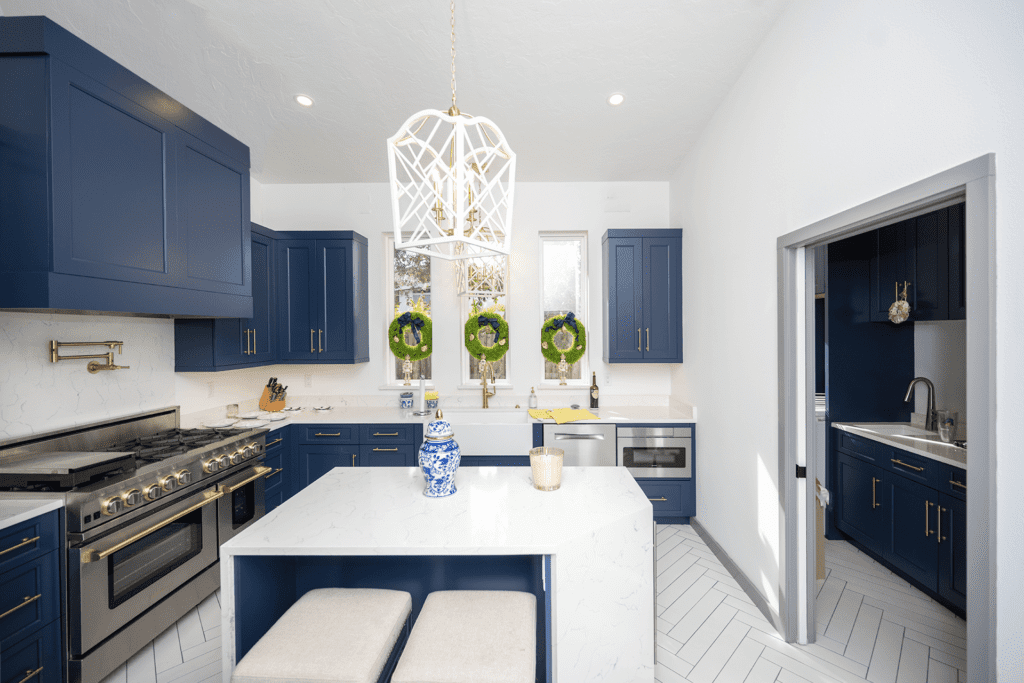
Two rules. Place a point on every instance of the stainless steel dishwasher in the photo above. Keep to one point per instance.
(585, 445)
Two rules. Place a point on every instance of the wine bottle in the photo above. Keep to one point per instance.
(593, 392)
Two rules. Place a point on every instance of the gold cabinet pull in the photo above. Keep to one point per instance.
(385, 449)
(638, 339)
(951, 481)
(319, 434)
(27, 601)
(247, 342)
(279, 469)
(312, 349)
(274, 441)
(24, 541)
(655, 500)
(321, 335)
(939, 537)
(354, 459)
(30, 674)
(927, 505)
(258, 472)
(900, 462)
(381, 434)
(254, 341)
(96, 556)
(648, 339)
(874, 504)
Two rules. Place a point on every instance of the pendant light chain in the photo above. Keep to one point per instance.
(453, 56)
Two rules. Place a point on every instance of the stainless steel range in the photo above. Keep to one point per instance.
(147, 505)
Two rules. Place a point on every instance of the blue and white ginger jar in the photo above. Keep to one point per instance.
(439, 458)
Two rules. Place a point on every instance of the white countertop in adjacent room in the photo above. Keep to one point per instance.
(14, 512)
(935, 450)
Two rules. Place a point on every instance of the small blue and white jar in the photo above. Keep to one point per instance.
(405, 400)
(439, 458)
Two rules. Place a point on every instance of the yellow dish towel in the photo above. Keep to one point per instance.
(536, 414)
(563, 415)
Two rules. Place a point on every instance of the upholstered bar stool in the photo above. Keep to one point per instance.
(331, 634)
(472, 637)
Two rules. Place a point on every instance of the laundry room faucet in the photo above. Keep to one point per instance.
(931, 417)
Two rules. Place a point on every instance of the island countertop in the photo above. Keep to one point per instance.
(594, 536)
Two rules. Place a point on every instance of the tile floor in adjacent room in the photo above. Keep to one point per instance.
(871, 625)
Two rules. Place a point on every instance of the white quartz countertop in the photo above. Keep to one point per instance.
(496, 511)
(14, 512)
(390, 415)
(935, 450)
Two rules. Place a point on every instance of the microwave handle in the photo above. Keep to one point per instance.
(90, 555)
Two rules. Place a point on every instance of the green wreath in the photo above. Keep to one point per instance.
(493, 320)
(551, 327)
(421, 329)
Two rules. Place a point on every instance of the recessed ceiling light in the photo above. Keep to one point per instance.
(304, 100)
(616, 98)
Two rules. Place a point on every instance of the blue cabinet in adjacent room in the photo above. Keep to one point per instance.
(643, 296)
(861, 508)
(113, 196)
(322, 300)
(913, 517)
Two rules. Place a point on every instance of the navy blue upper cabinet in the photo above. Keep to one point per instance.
(927, 253)
(208, 344)
(323, 303)
(113, 196)
(643, 296)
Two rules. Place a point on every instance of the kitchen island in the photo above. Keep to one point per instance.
(586, 551)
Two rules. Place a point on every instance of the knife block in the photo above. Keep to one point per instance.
(267, 404)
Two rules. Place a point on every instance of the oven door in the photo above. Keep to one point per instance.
(115, 577)
(243, 501)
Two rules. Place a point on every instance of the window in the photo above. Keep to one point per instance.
(410, 288)
(481, 305)
(563, 287)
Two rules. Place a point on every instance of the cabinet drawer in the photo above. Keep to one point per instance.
(858, 445)
(275, 461)
(28, 541)
(953, 481)
(386, 455)
(277, 441)
(29, 598)
(909, 465)
(41, 650)
(330, 434)
(374, 434)
(666, 497)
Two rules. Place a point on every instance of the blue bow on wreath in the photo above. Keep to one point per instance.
(483, 321)
(415, 323)
(569, 319)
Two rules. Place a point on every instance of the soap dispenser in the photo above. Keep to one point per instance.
(533, 398)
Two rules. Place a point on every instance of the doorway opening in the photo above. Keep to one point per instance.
(972, 184)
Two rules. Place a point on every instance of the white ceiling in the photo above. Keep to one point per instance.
(540, 69)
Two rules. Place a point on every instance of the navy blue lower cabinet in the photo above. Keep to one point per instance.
(31, 598)
(494, 461)
(952, 544)
(316, 461)
(674, 500)
(913, 511)
(862, 509)
(38, 658)
(383, 455)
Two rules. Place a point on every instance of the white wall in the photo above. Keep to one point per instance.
(842, 103)
(365, 208)
(940, 354)
(40, 396)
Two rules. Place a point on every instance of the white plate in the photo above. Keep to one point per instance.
(218, 424)
(254, 415)
(292, 409)
(276, 417)
(322, 409)
(250, 424)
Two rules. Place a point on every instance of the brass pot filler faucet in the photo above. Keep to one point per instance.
(93, 366)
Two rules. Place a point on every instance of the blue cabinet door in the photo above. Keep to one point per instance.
(930, 288)
(297, 314)
(383, 455)
(114, 184)
(623, 299)
(662, 300)
(316, 461)
(913, 518)
(342, 301)
(891, 265)
(957, 263)
(863, 512)
(952, 542)
(262, 342)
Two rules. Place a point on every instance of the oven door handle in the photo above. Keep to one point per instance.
(259, 472)
(91, 555)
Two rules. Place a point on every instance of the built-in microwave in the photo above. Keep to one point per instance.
(656, 451)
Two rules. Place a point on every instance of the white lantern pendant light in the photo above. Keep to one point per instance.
(452, 183)
(485, 276)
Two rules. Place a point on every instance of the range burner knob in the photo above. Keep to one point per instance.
(112, 506)
(224, 461)
(153, 491)
(211, 465)
(237, 457)
(255, 448)
(168, 483)
(184, 477)
(133, 497)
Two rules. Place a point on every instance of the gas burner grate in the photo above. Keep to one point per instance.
(167, 444)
